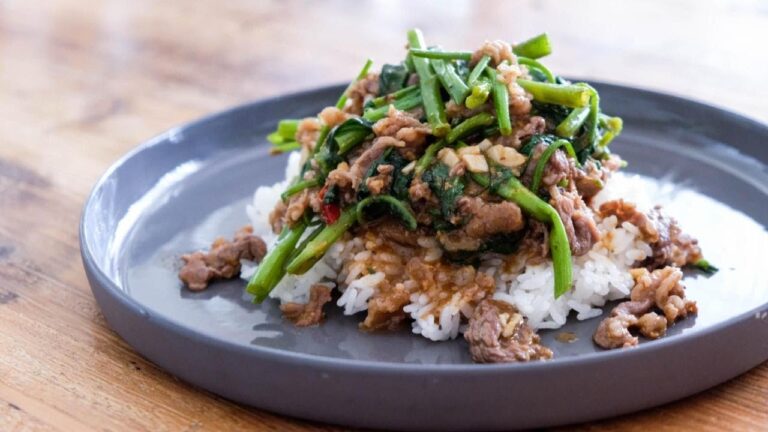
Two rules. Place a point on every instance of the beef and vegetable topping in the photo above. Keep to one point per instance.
(476, 153)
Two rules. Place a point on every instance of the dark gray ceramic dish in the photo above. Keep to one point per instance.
(176, 192)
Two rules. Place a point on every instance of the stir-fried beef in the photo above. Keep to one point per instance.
(498, 333)
(222, 261)
(664, 287)
(348, 178)
(589, 180)
(296, 207)
(307, 133)
(614, 331)
(403, 127)
(360, 92)
(377, 184)
(488, 218)
(332, 116)
(670, 246)
(673, 247)
(497, 50)
(557, 169)
(310, 313)
(577, 218)
(660, 289)
(524, 127)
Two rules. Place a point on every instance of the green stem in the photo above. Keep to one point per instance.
(387, 99)
(313, 235)
(324, 130)
(298, 187)
(363, 72)
(500, 102)
(469, 126)
(574, 96)
(587, 143)
(439, 55)
(408, 102)
(540, 210)
(429, 155)
(531, 63)
(324, 240)
(480, 92)
(478, 70)
(535, 47)
(451, 81)
(272, 268)
(287, 128)
(571, 124)
(430, 88)
(613, 126)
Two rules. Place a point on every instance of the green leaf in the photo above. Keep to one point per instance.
(392, 78)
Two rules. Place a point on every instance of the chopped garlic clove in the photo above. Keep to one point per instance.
(506, 156)
(476, 163)
(448, 157)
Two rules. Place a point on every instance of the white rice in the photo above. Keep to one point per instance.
(599, 276)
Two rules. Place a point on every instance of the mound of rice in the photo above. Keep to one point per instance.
(599, 276)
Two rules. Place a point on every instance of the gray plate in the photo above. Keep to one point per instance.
(175, 193)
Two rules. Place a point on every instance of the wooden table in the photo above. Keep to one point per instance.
(82, 82)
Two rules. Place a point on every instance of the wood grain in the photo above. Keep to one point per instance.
(81, 82)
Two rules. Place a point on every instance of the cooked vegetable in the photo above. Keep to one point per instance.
(272, 268)
(572, 110)
(395, 208)
(429, 156)
(587, 143)
(451, 81)
(448, 189)
(572, 123)
(320, 244)
(706, 267)
(535, 47)
(363, 72)
(500, 102)
(535, 66)
(408, 101)
(351, 133)
(469, 126)
(298, 187)
(478, 70)
(481, 89)
(612, 127)
(440, 55)
(388, 98)
(569, 95)
(392, 78)
(430, 88)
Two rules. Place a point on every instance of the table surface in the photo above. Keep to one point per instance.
(82, 82)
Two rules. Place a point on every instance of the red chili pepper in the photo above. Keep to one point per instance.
(331, 212)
